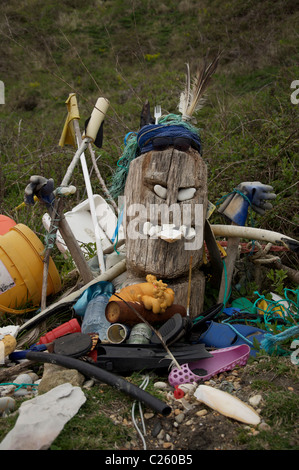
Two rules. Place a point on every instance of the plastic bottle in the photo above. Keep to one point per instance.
(94, 320)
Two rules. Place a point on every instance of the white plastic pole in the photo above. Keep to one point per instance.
(92, 208)
(96, 118)
(252, 233)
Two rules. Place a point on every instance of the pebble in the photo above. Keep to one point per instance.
(161, 385)
(160, 191)
(6, 390)
(88, 384)
(156, 429)
(34, 376)
(23, 379)
(226, 386)
(186, 193)
(161, 434)
(148, 415)
(264, 427)
(188, 388)
(22, 392)
(7, 404)
(167, 445)
(255, 400)
(212, 383)
(234, 372)
(201, 413)
(180, 418)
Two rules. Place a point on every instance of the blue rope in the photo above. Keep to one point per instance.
(270, 341)
(19, 385)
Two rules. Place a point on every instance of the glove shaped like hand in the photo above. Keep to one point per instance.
(258, 194)
(40, 187)
(235, 207)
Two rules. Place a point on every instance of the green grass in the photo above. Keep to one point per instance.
(133, 51)
(92, 428)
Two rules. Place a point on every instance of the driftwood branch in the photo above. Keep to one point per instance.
(101, 180)
(8, 372)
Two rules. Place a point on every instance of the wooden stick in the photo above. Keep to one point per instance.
(118, 311)
(70, 239)
(8, 372)
(102, 182)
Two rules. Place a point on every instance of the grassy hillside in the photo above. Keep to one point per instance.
(129, 52)
(136, 50)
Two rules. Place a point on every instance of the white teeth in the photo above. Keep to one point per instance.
(168, 226)
(191, 234)
(170, 235)
(160, 191)
(168, 232)
(184, 230)
(154, 230)
(186, 193)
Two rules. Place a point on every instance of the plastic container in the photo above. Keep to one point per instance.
(94, 320)
(118, 333)
(140, 334)
(6, 223)
(21, 269)
(71, 326)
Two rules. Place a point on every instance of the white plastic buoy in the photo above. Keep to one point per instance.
(226, 404)
(96, 118)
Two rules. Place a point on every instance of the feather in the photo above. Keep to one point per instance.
(185, 95)
(192, 98)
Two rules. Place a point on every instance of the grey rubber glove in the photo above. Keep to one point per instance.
(258, 194)
(40, 187)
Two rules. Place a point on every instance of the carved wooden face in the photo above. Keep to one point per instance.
(166, 202)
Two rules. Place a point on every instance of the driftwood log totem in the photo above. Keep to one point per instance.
(166, 193)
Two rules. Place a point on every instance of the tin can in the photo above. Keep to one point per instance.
(140, 334)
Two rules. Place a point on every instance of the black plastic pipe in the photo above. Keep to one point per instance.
(102, 375)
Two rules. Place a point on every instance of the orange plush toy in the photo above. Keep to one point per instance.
(153, 294)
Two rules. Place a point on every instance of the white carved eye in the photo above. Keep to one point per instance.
(160, 191)
(186, 193)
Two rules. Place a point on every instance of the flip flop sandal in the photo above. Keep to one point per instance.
(73, 345)
(220, 335)
(173, 329)
(223, 360)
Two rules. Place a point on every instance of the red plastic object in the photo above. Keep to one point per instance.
(93, 355)
(71, 326)
(178, 393)
(5, 224)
